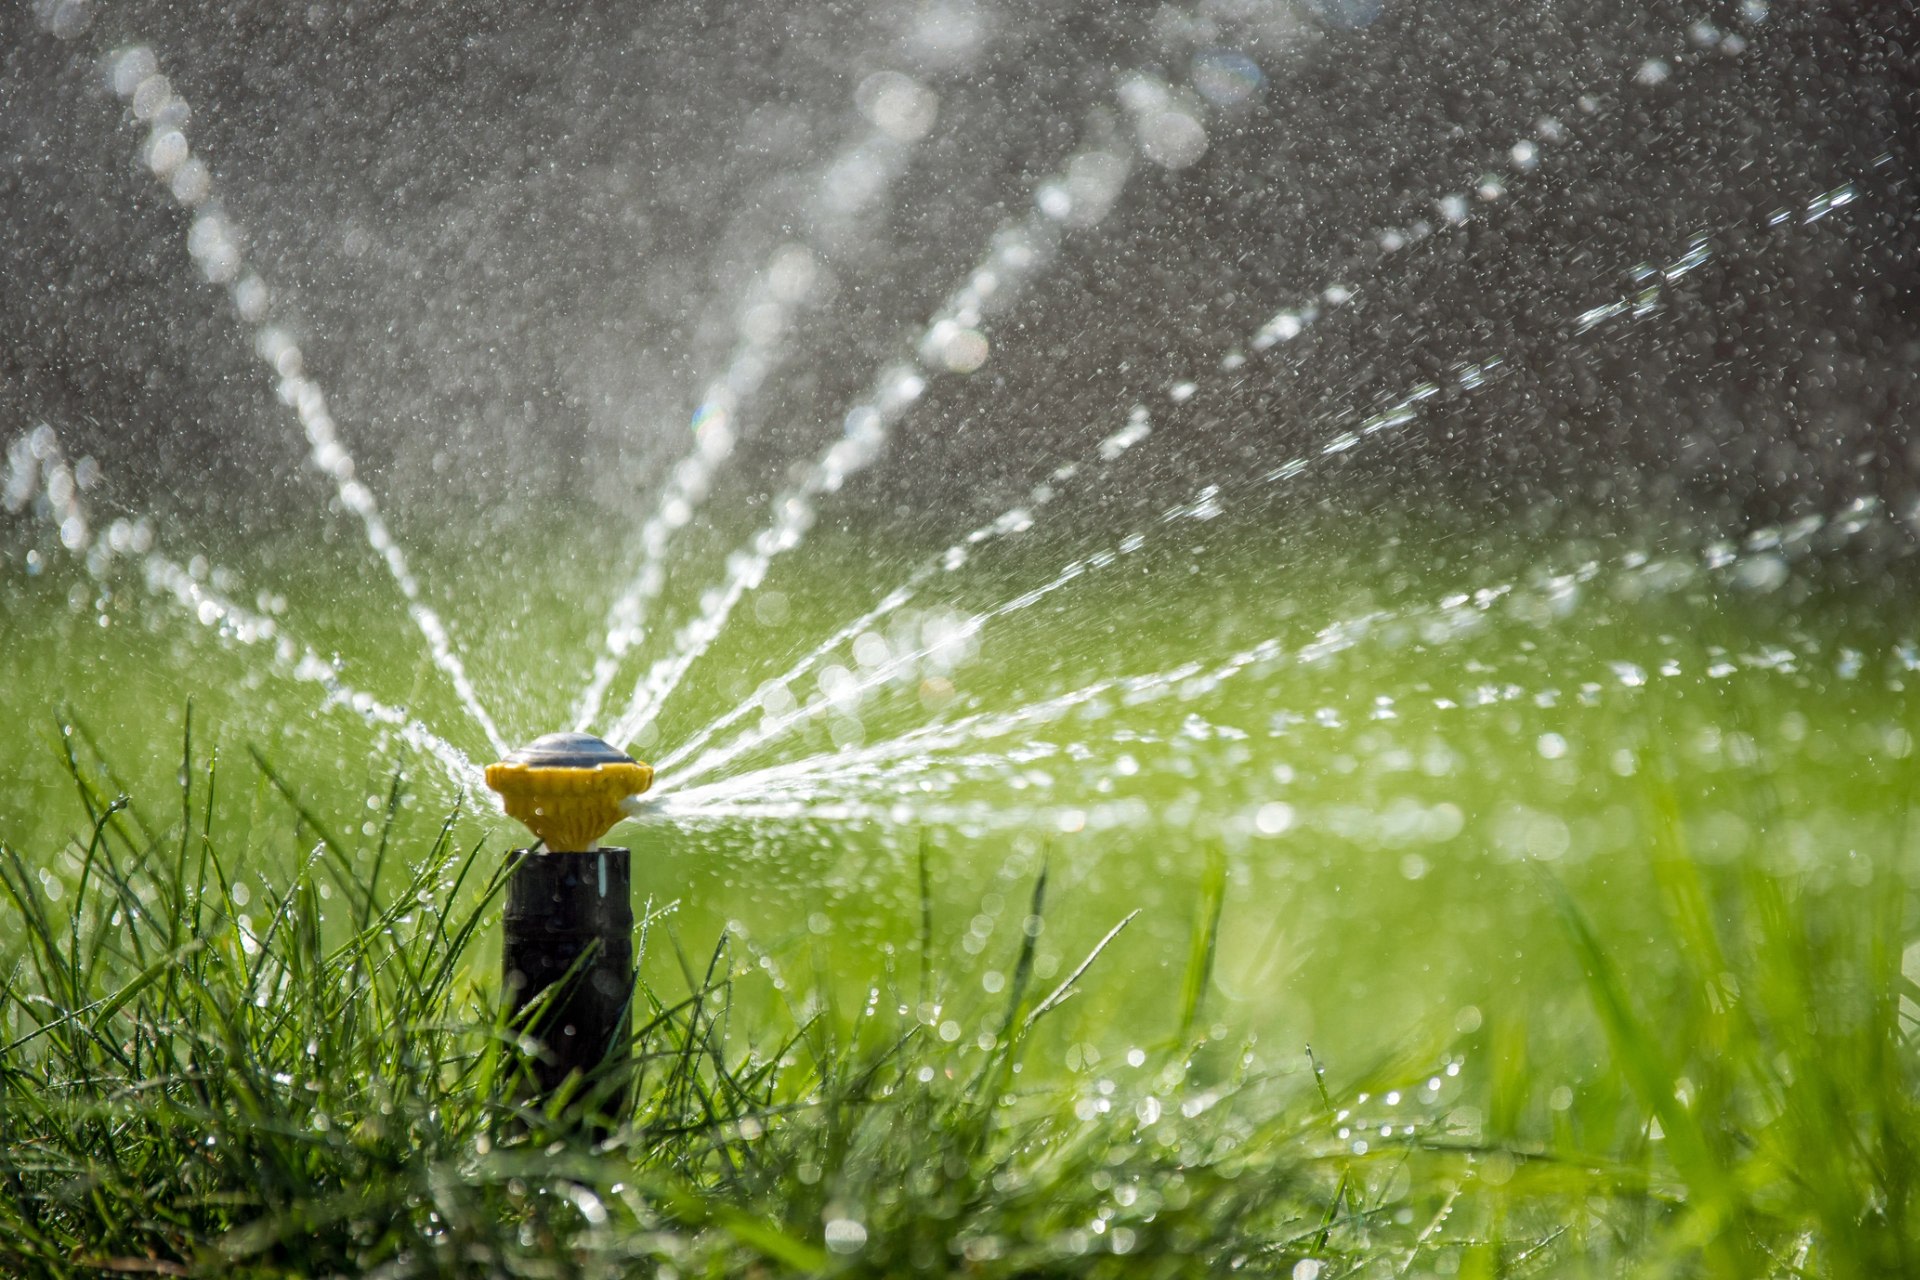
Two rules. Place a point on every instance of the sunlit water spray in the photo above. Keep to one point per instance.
(1080, 195)
(1167, 128)
(894, 762)
(901, 780)
(215, 244)
(899, 111)
(1167, 131)
(1156, 111)
(1273, 336)
(38, 472)
(1645, 299)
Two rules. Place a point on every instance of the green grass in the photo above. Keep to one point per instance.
(1592, 887)
(316, 1078)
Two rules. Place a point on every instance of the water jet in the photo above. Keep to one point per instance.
(1209, 577)
(566, 959)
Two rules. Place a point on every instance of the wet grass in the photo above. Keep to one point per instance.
(315, 1077)
(1592, 882)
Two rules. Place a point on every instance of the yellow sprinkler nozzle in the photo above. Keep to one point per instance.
(567, 788)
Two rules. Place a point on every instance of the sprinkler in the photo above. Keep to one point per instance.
(569, 920)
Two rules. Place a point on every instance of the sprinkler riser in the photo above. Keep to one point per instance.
(561, 907)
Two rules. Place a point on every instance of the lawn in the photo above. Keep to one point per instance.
(1482, 905)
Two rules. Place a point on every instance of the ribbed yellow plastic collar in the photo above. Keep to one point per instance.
(567, 789)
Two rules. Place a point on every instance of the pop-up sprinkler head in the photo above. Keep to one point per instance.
(568, 929)
(568, 788)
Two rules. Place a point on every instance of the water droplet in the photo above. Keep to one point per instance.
(1172, 139)
(845, 1236)
(898, 105)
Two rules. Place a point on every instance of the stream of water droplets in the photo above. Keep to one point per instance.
(214, 241)
(1165, 125)
(1645, 299)
(892, 780)
(1273, 336)
(1087, 187)
(1146, 99)
(898, 111)
(37, 468)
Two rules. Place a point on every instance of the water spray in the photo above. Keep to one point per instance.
(568, 942)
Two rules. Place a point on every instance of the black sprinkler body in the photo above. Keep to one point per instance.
(569, 940)
(567, 955)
